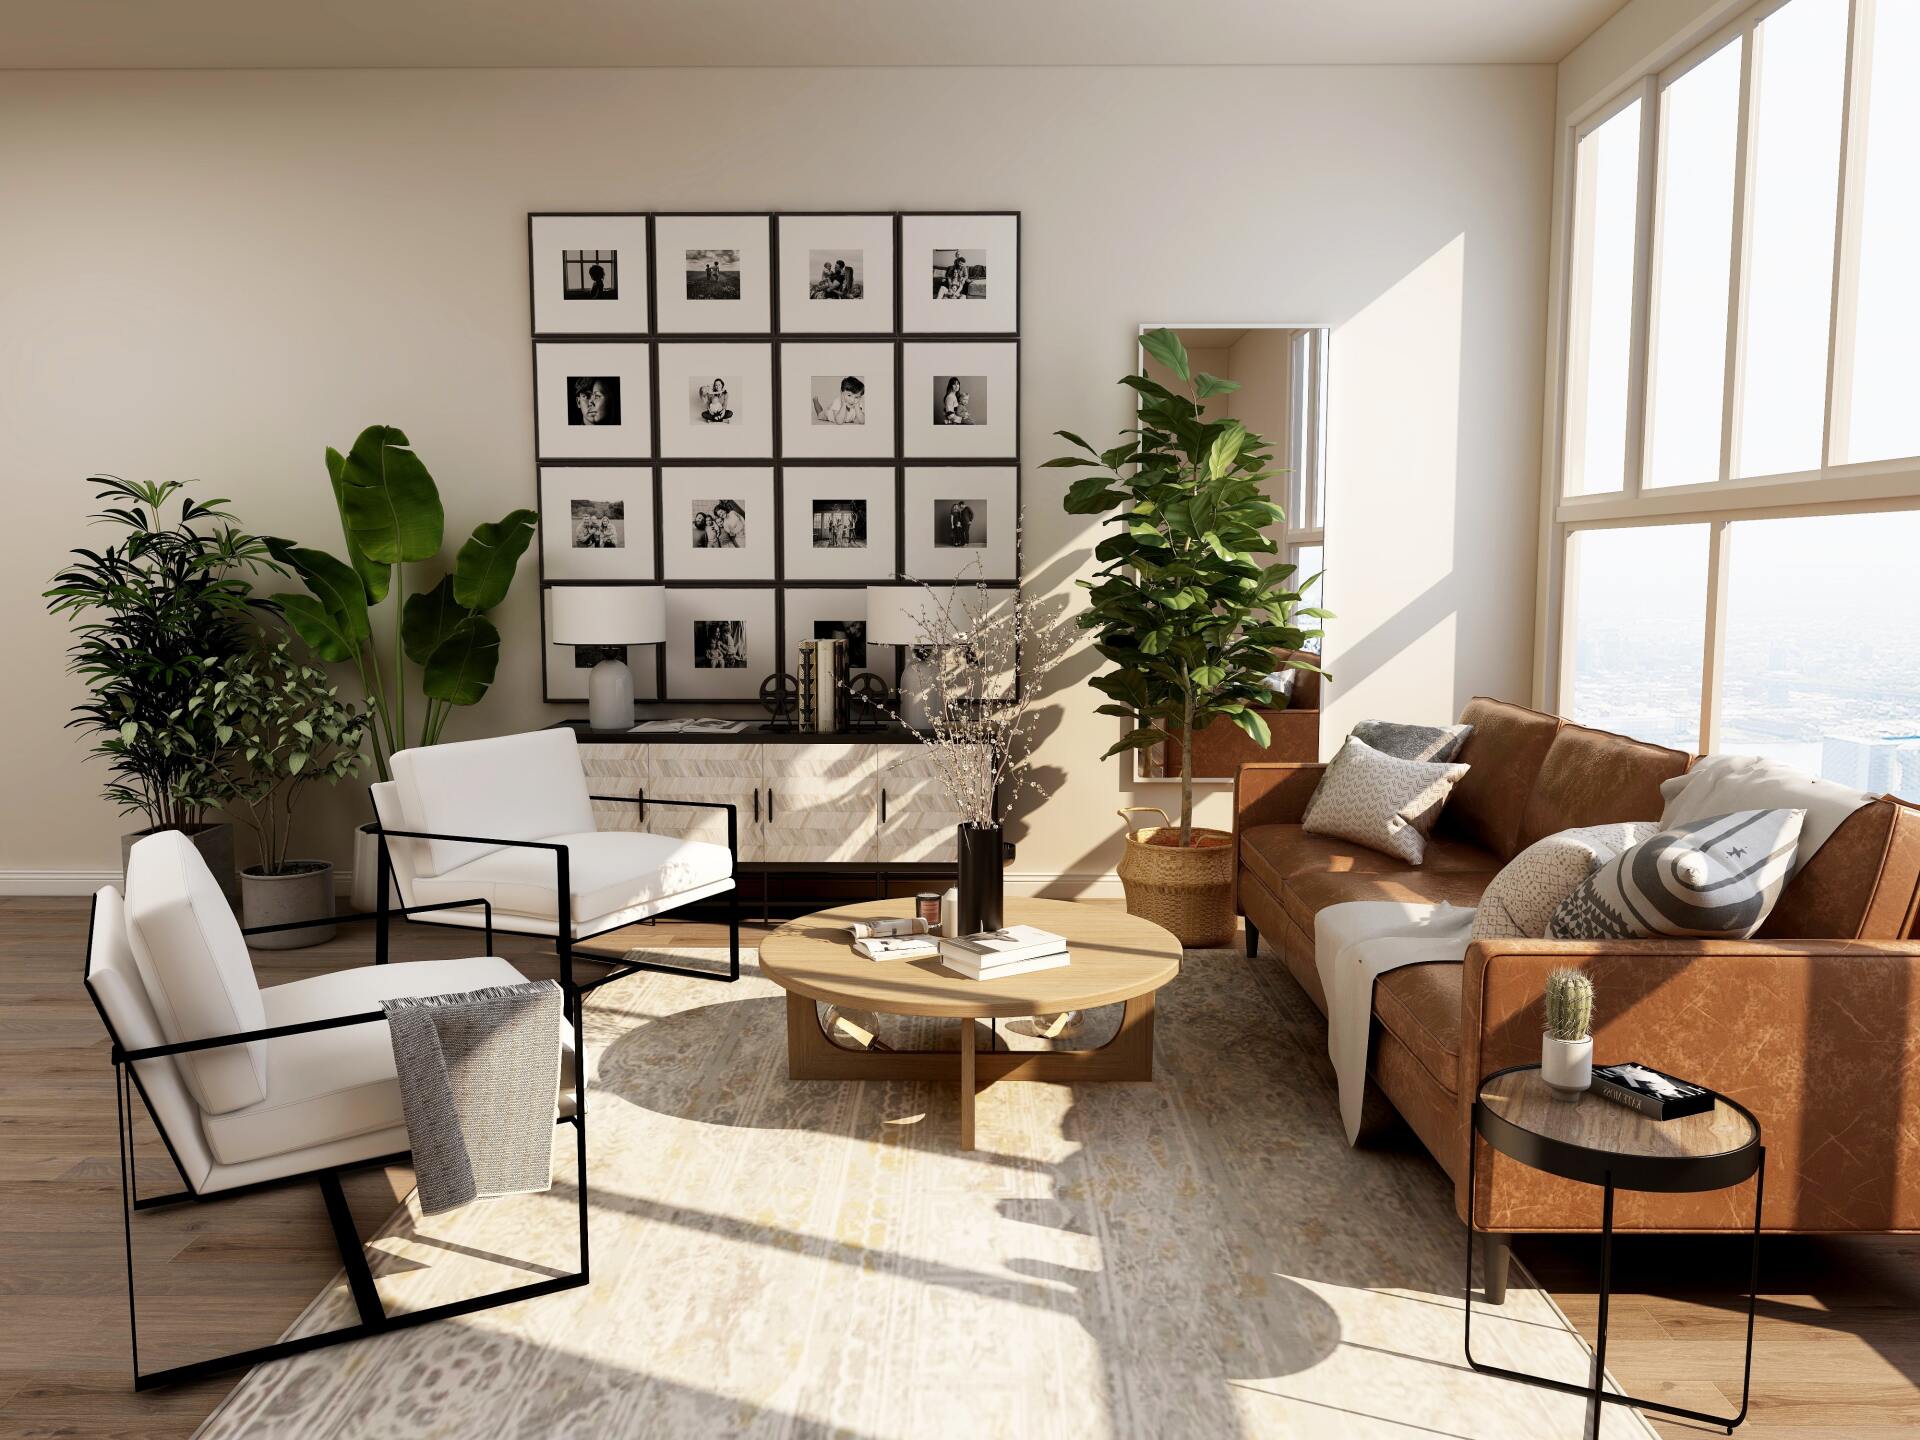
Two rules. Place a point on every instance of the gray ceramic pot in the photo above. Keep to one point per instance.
(304, 891)
(215, 844)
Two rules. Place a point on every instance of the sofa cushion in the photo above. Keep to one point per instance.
(1380, 800)
(1863, 884)
(1504, 753)
(1420, 1005)
(512, 787)
(1274, 852)
(1305, 895)
(607, 870)
(194, 964)
(1716, 879)
(1592, 777)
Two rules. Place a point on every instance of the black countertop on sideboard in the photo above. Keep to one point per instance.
(758, 732)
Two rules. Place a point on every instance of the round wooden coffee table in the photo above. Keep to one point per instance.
(1117, 958)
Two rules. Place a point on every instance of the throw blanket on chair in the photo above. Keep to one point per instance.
(479, 1081)
(1353, 945)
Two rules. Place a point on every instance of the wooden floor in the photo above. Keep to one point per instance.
(1839, 1332)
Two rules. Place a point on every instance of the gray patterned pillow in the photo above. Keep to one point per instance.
(1380, 800)
(1522, 898)
(1436, 744)
(1715, 878)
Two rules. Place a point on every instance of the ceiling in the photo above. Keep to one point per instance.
(285, 34)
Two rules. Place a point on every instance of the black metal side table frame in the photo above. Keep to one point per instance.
(1613, 1171)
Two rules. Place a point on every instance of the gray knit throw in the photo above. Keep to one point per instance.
(479, 1081)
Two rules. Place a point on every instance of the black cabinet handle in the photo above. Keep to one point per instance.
(883, 804)
(769, 804)
(756, 807)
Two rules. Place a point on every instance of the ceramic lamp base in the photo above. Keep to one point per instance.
(610, 696)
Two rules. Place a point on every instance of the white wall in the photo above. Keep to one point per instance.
(214, 275)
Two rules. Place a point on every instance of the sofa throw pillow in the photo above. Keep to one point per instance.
(1714, 878)
(1380, 800)
(1436, 744)
(1721, 784)
(1522, 898)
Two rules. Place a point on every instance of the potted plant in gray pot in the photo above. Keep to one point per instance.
(286, 727)
(156, 615)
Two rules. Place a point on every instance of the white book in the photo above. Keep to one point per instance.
(896, 947)
(1014, 942)
(1011, 967)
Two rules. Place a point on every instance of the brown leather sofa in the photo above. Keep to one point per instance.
(1814, 1024)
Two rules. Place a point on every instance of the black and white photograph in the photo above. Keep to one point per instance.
(599, 524)
(854, 632)
(839, 523)
(959, 399)
(713, 274)
(711, 401)
(719, 644)
(596, 522)
(589, 274)
(716, 400)
(593, 400)
(960, 273)
(836, 274)
(962, 399)
(837, 400)
(719, 524)
(960, 524)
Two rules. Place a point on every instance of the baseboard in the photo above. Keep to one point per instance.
(1074, 885)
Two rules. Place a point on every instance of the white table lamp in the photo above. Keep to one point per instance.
(920, 619)
(608, 615)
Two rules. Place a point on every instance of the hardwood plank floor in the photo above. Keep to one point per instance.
(1839, 1330)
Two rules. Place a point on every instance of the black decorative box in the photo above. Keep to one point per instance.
(1654, 1093)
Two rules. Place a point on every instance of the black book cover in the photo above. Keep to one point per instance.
(1654, 1093)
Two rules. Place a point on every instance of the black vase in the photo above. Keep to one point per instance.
(980, 879)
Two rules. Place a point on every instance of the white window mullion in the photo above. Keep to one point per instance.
(1736, 270)
(1846, 250)
(1636, 447)
(1714, 651)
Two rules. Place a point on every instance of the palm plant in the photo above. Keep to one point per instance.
(157, 614)
(391, 517)
(1184, 610)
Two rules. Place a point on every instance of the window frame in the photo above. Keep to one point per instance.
(1837, 486)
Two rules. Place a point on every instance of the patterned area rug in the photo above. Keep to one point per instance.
(1202, 1256)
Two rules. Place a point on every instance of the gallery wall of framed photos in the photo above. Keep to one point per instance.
(766, 413)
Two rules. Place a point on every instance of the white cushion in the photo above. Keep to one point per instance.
(514, 787)
(194, 964)
(1722, 784)
(332, 1084)
(1380, 800)
(608, 870)
(1521, 899)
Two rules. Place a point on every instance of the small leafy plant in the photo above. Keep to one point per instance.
(1569, 1005)
(283, 726)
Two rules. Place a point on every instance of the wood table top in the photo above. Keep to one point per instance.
(1116, 956)
(1523, 1099)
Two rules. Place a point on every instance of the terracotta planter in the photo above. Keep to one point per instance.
(215, 844)
(303, 891)
(1185, 889)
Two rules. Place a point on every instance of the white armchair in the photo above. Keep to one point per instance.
(250, 1086)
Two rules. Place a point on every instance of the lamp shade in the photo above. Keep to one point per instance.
(607, 614)
(922, 614)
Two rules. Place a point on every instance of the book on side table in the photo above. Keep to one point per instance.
(995, 954)
(1654, 1093)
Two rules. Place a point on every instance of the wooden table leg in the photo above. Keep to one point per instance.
(966, 1084)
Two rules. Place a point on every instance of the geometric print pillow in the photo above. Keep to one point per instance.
(1377, 800)
(1522, 898)
(1716, 878)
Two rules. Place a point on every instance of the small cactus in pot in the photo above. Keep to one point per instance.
(1566, 1049)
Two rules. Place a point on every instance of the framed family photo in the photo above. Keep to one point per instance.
(596, 522)
(716, 523)
(960, 400)
(839, 613)
(589, 274)
(838, 522)
(712, 274)
(720, 642)
(960, 274)
(960, 522)
(837, 401)
(716, 401)
(567, 666)
(836, 274)
(593, 401)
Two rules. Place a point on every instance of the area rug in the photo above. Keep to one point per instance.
(1202, 1256)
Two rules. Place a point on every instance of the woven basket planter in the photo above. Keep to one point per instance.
(1188, 891)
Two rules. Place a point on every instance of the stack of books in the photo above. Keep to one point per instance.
(996, 954)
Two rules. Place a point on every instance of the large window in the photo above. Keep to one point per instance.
(1736, 505)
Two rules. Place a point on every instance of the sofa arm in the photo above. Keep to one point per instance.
(1820, 1039)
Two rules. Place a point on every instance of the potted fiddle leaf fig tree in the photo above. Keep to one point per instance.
(1187, 611)
(391, 517)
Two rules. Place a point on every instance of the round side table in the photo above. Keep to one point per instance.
(1597, 1142)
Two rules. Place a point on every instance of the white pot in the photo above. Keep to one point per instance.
(1567, 1065)
(366, 873)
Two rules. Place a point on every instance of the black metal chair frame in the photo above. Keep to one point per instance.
(373, 1317)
